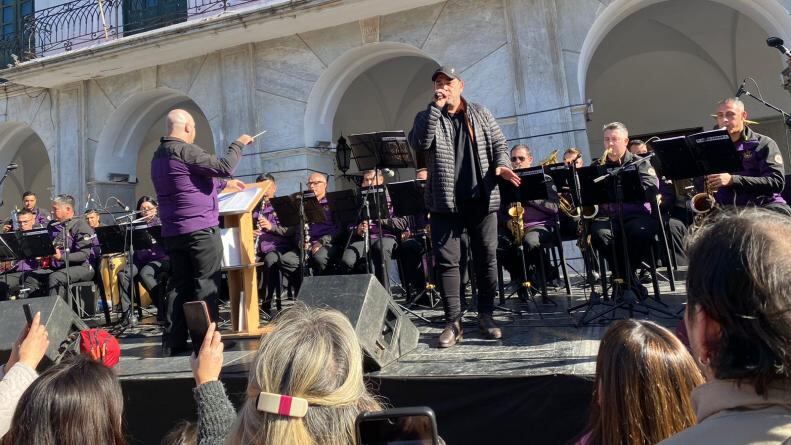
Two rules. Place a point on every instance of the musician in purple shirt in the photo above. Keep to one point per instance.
(275, 243)
(149, 263)
(321, 235)
(640, 226)
(15, 271)
(392, 226)
(28, 202)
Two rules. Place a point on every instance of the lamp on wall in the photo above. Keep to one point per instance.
(343, 154)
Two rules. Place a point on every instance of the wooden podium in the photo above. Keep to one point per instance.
(236, 208)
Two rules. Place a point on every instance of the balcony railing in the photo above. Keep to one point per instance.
(83, 23)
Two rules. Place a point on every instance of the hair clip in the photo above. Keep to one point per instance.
(282, 405)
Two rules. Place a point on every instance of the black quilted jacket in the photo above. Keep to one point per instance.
(433, 132)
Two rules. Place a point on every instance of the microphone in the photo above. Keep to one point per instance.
(12, 166)
(120, 204)
(777, 42)
(387, 172)
(741, 89)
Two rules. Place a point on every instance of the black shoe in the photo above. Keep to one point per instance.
(452, 334)
(488, 327)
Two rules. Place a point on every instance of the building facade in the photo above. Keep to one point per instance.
(86, 93)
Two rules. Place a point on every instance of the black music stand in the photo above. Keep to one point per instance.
(619, 185)
(700, 154)
(535, 185)
(407, 198)
(28, 244)
(375, 151)
(299, 209)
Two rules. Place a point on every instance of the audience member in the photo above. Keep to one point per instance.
(738, 319)
(644, 376)
(20, 370)
(313, 358)
(77, 402)
(185, 433)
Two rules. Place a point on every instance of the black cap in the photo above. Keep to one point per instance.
(446, 70)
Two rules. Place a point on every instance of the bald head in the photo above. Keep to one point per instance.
(180, 124)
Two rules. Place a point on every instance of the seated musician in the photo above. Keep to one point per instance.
(383, 247)
(149, 263)
(413, 244)
(573, 156)
(761, 179)
(77, 236)
(640, 226)
(15, 272)
(569, 225)
(276, 248)
(29, 201)
(538, 218)
(637, 147)
(321, 235)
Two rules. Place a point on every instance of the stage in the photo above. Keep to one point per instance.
(533, 386)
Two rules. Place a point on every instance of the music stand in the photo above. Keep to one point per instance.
(299, 209)
(111, 239)
(408, 200)
(535, 185)
(375, 151)
(599, 186)
(700, 154)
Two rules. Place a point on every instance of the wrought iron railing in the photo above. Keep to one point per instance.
(82, 23)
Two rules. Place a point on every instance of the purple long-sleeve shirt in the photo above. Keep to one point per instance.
(185, 179)
(278, 237)
(155, 253)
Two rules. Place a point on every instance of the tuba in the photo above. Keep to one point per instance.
(516, 225)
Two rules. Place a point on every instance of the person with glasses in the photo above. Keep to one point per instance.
(322, 235)
(466, 154)
(538, 217)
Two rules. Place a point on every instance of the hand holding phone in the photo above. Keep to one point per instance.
(28, 314)
(398, 426)
(197, 316)
(207, 363)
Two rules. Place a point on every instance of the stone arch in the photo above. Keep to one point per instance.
(769, 14)
(19, 143)
(132, 133)
(328, 91)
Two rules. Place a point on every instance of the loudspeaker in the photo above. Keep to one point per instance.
(384, 332)
(56, 315)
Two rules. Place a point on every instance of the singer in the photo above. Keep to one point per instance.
(186, 180)
(465, 152)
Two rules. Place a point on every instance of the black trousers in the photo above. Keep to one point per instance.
(411, 254)
(640, 232)
(195, 260)
(275, 261)
(54, 281)
(149, 276)
(676, 233)
(320, 260)
(9, 281)
(354, 255)
(446, 230)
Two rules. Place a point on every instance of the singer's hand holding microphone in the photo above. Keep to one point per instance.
(440, 98)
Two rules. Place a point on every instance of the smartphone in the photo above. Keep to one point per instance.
(197, 315)
(398, 426)
(28, 314)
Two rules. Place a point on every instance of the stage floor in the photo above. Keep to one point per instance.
(534, 386)
(533, 344)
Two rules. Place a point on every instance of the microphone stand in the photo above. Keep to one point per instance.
(130, 265)
(786, 117)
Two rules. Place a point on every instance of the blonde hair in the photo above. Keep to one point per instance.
(313, 354)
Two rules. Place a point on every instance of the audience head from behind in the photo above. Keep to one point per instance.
(313, 356)
(641, 395)
(738, 314)
(76, 402)
(185, 433)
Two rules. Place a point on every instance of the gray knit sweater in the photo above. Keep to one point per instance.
(12, 384)
(433, 132)
(216, 414)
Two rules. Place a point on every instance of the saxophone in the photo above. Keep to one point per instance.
(516, 225)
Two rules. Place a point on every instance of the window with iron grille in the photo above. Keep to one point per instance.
(145, 15)
(13, 40)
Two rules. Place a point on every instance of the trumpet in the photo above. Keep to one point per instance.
(516, 225)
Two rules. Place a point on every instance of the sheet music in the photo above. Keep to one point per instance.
(237, 202)
(231, 247)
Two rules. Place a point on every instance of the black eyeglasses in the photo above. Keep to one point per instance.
(518, 158)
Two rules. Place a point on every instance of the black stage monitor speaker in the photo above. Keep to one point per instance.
(56, 315)
(384, 332)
